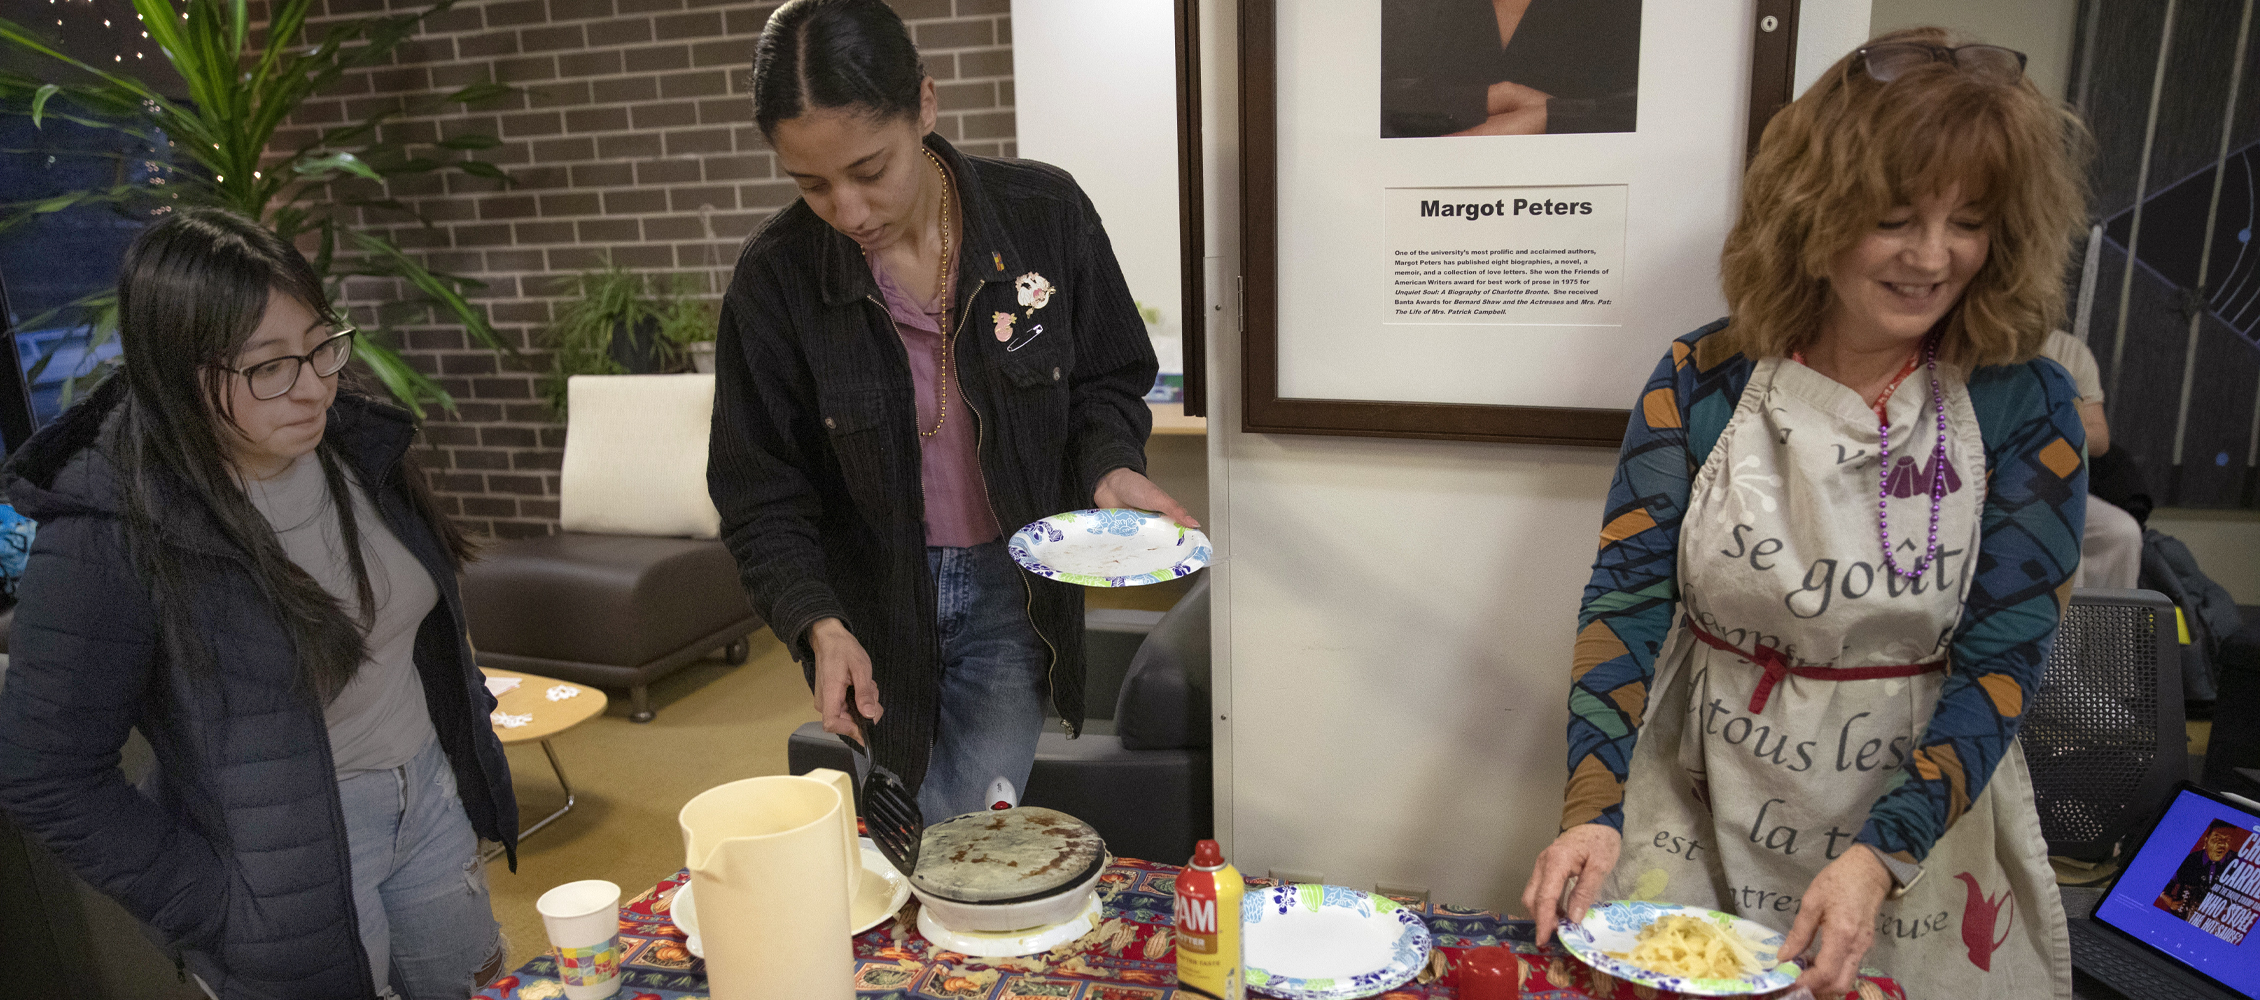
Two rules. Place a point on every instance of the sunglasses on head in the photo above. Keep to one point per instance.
(1888, 61)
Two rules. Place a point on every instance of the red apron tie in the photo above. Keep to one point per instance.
(1776, 666)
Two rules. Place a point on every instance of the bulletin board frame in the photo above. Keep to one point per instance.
(1266, 411)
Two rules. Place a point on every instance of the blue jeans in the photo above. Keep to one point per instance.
(419, 888)
(993, 665)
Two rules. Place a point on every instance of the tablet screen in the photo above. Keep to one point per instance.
(2193, 891)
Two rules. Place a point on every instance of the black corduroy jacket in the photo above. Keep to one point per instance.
(815, 457)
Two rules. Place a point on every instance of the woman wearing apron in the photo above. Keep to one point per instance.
(1837, 546)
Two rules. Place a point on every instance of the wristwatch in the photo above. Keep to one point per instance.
(1904, 874)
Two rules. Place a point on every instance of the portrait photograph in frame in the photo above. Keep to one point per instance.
(1514, 356)
(1509, 67)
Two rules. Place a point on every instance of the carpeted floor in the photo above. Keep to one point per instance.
(715, 723)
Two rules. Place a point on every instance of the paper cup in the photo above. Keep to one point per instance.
(583, 920)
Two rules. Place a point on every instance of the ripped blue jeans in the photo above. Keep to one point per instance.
(419, 887)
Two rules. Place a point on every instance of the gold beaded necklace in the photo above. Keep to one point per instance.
(942, 340)
(941, 346)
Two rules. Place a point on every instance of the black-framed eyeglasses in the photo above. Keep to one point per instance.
(277, 376)
(1889, 61)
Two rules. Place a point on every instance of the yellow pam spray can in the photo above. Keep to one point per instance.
(1208, 926)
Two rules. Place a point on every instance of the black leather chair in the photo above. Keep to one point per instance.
(2232, 761)
(1142, 779)
(628, 592)
(2105, 738)
(618, 611)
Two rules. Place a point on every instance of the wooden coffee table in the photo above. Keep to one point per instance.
(540, 717)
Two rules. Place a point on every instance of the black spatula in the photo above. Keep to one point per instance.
(890, 814)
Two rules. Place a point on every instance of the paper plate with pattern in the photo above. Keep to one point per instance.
(1615, 926)
(1113, 547)
(1329, 942)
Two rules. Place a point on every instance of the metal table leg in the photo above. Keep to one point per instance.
(496, 851)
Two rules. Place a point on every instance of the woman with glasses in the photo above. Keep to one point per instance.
(239, 560)
(1839, 537)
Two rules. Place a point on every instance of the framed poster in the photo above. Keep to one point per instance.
(1486, 219)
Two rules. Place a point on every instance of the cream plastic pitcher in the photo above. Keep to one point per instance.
(776, 862)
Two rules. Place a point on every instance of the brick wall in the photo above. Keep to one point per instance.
(631, 136)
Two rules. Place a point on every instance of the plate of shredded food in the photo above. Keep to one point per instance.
(1684, 949)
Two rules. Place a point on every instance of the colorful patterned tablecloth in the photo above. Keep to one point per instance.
(1131, 956)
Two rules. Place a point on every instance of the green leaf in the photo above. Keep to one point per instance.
(39, 102)
(389, 204)
(470, 142)
(411, 387)
(377, 154)
(60, 202)
(326, 250)
(93, 123)
(285, 19)
(480, 168)
(433, 285)
(92, 302)
(349, 133)
(239, 23)
(477, 92)
(22, 212)
(335, 161)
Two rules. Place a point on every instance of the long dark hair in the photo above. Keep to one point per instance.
(193, 288)
(853, 54)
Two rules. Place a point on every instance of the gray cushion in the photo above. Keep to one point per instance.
(618, 600)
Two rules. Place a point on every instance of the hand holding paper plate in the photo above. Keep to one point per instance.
(1109, 547)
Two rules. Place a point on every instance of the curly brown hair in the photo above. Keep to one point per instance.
(1833, 162)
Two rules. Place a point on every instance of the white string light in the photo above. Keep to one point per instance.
(110, 24)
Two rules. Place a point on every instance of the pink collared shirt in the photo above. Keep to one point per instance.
(957, 500)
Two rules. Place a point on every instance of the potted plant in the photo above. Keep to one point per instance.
(1169, 381)
(701, 348)
(619, 322)
(242, 86)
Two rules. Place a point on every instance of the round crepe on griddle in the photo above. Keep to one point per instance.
(1008, 855)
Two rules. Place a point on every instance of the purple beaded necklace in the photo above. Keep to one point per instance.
(1937, 479)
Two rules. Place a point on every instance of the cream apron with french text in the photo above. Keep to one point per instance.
(1738, 796)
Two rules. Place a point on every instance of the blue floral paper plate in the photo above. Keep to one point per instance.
(1615, 926)
(1111, 547)
(1328, 942)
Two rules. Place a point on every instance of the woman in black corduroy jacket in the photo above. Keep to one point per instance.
(923, 353)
